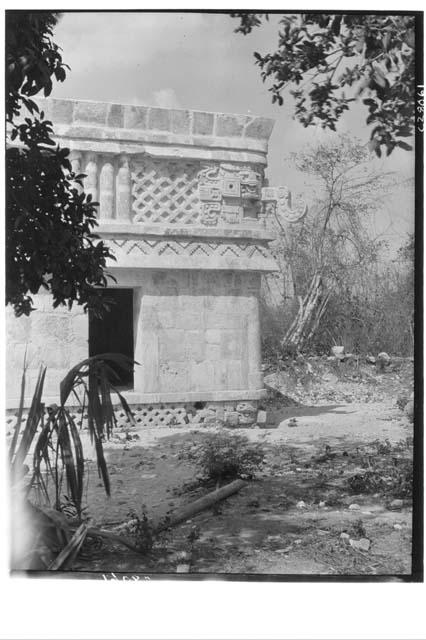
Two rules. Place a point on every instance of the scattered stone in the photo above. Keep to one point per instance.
(321, 504)
(261, 417)
(384, 356)
(354, 507)
(247, 413)
(397, 526)
(362, 545)
(183, 568)
(383, 360)
(396, 504)
(207, 415)
(409, 410)
(232, 418)
(220, 414)
(301, 504)
(298, 541)
(345, 536)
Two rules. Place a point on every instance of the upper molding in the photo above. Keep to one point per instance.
(142, 124)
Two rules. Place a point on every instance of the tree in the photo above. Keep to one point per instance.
(333, 245)
(49, 220)
(319, 56)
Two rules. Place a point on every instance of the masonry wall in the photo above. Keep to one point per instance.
(56, 338)
(197, 336)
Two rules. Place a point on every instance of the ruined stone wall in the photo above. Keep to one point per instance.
(56, 338)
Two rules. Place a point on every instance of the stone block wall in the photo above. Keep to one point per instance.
(56, 338)
(197, 335)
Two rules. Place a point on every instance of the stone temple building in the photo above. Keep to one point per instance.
(183, 204)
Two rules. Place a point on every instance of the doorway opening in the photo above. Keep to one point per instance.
(114, 333)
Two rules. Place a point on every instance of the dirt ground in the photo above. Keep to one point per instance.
(290, 519)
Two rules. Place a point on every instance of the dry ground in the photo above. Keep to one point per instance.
(264, 528)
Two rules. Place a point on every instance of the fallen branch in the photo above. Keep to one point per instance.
(70, 551)
(202, 503)
(108, 535)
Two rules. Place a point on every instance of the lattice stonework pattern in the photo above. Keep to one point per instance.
(165, 191)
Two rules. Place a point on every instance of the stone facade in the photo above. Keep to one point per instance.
(182, 203)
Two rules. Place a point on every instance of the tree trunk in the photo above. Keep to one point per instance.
(307, 319)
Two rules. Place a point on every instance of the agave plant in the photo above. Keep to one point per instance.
(54, 436)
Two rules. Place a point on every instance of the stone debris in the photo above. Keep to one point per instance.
(247, 413)
(361, 545)
(345, 536)
(261, 417)
(183, 568)
(409, 410)
(354, 507)
(396, 504)
(232, 418)
(301, 504)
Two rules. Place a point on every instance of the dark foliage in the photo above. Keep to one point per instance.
(222, 456)
(49, 221)
(320, 56)
(52, 436)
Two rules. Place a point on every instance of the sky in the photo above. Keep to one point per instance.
(197, 61)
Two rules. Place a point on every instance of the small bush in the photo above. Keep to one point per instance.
(226, 457)
(388, 470)
(140, 529)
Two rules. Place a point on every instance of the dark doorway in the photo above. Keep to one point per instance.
(114, 332)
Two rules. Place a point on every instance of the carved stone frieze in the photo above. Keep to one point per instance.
(236, 187)
(279, 200)
(179, 192)
(192, 247)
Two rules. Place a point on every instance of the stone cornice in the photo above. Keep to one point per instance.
(110, 126)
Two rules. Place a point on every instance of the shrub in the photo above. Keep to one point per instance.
(389, 470)
(226, 457)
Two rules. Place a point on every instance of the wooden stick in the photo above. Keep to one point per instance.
(202, 503)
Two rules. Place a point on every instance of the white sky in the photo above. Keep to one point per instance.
(196, 61)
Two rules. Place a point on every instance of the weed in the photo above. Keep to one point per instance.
(226, 457)
(358, 529)
(141, 529)
(388, 470)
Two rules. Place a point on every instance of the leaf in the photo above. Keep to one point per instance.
(69, 553)
(404, 145)
(34, 416)
(20, 411)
